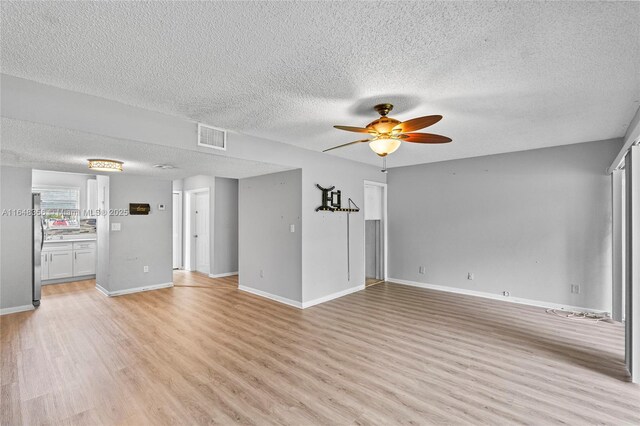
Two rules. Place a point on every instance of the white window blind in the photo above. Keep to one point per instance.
(59, 198)
(61, 206)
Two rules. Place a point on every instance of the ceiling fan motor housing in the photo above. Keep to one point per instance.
(383, 124)
(383, 109)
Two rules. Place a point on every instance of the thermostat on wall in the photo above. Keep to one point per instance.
(161, 206)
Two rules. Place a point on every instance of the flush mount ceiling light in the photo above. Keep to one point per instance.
(388, 133)
(102, 165)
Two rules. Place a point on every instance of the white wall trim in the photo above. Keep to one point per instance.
(332, 296)
(632, 135)
(68, 280)
(485, 295)
(274, 297)
(225, 274)
(16, 309)
(297, 304)
(133, 290)
(102, 289)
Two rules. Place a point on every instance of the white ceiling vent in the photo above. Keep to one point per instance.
(212, 137)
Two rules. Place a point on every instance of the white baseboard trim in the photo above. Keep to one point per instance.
(102, 289)
(225, 274)
(274, 297)
(68, 280)
(297, 304)
(332, 296)
(485, 295)
(16, 309)
(132, 290)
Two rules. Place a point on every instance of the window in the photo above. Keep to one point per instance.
(60, 206)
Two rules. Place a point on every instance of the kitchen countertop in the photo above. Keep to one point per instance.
(71, 239)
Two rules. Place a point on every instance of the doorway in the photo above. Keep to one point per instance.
(197, 232)
(375, 232)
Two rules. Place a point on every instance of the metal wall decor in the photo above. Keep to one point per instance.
(332, 201)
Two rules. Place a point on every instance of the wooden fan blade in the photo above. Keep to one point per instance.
(347, 144)
(417, 123)
(424, 138)
(353, 129)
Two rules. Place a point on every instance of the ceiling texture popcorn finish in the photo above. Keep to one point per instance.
(508, 76)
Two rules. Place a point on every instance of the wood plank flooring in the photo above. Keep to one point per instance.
(205, 353)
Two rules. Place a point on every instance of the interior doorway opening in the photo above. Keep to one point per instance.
(375, 232)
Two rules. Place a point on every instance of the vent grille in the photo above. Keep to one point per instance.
(210, 137)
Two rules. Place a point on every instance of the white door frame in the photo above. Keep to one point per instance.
(385, 226)
(188, 227)
(180, 210)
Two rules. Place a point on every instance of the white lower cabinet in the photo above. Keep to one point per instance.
(60, 264)
(44, 266)
(84, 262)
(68, 260)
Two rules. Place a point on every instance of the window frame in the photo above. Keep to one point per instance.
(66, 214)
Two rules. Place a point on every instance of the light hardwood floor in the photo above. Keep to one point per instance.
(204, 353)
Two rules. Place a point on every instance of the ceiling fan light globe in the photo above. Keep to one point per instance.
(385, 146)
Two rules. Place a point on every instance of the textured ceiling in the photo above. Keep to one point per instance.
(38, 146)
(507, 76)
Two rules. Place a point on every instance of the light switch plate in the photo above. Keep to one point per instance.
(115, 226)
(292, 228)
(161, 206)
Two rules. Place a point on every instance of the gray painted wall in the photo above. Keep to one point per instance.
(373, 229)
(143, 240)
(15, 245)
(225, 226)
(531, 223)
(268, 205)
(325, 234)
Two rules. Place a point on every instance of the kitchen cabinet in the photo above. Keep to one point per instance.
(60, 264)
(84, 262)
(44, 266)
(61, 260)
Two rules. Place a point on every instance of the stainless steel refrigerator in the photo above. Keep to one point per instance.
(38, 241)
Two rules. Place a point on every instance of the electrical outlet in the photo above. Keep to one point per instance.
(421, 270)
(506, 293)
(575, 288)
(470, 276)
(145, 268)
